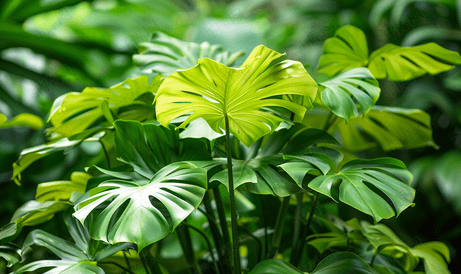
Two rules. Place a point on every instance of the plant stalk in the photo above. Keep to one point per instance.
(210, 248)
(279, 225)
(297, 219)
(186, 245)
(235, 237)
(296, 254)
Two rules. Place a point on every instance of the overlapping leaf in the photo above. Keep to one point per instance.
(78, 257)
(343, 262)
(75, 112)
(214, 92)
(158, 204)
(274, 266)
(348, 49)
(360, 182)
(23, 119)
(10, 253)
(165, 54)
(290, 149)
(387, 127)
(355, 86)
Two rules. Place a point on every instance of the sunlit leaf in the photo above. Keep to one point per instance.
(213, 91)
(10, 253)
(74, 112)
(62, 190)
(165, 54)
(22, 120)
(435, 256)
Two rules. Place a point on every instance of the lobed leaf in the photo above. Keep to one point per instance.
(214, 92)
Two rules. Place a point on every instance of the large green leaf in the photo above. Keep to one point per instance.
(403, 64)
(158, 204)
(359, 183)
(149, 147)
(23, 119)
(165, 54)
(74, 112)
(354, 86)
(348, 49)
(387, 127)
(274, 266)
(215, 92)
(294, 150)
(342, 263)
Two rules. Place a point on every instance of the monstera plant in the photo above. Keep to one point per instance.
(210, 168)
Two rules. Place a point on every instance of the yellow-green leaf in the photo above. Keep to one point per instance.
(214, 92)
(23, 119)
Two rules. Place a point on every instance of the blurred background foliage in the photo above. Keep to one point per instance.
(51, 47)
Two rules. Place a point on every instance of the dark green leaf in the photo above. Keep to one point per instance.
(274, 266)
(342, 263)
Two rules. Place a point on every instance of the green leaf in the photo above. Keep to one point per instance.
(293, 150)
(354, 86)
(359, 184)
(10, 253)
(30, 155)
(274, 266)
(158, 204)
(33, 212)
(200, 129)
(404, 64)
(62, 190)
(389, 128)
(63, 267)
(342, 263)
(74, 112)
(214, 92)
(165, 54)
(22, 120)
(346, 50)
(435, 256)
(149, 147)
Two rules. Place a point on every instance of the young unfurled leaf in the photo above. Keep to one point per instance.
(215, 92)
(165, 54)
(357, 180)
(354, 86)
(348, 49)
(23, 119)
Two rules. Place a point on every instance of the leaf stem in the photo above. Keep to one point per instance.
(235, 237)
(186, 245)
(297, 219)
(119, 266)
(279, 225)
(260, 245)
(127, 261)
(266, 237)
(296, 254)
(210, 247)
(222, 218)
(105, 154)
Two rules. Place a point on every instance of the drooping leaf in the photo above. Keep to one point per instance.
(30, 155)
(354, 86)
(293, 150)
(23, 119)
(10, 253)
(165, 54)
(74, 112)
(149, 147)
(158, 204)
(78, 257)
(343, 263)
(404, 64)
(273, 266)
(33, 212)
(435, 256)
(346, 50)
(62, 190)
(214, 92)
(387, 127)
(360, 182)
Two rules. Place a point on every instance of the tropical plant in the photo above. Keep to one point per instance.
(257, 160)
